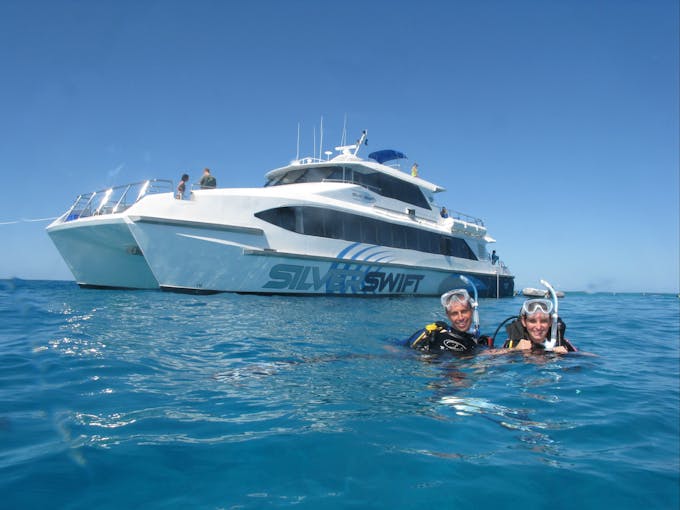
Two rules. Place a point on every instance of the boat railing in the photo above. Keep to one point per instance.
(457, 215)
(308, 161)
(116, 199)
(501, 268)
(454, 220)
(409, 214)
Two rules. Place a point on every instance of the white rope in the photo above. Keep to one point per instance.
(27, 220)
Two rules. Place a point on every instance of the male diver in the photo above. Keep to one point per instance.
(440, 337)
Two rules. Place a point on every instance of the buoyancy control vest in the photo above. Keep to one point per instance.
(439, 337)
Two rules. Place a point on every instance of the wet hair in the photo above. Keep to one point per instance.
(185, 177)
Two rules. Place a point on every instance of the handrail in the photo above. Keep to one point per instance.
(457, 215)
(115, 199)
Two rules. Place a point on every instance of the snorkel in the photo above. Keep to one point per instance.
(550, 344)
(475, 313)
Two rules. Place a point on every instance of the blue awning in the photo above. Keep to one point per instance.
(386, 155)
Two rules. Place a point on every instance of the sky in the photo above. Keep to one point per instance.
(555, 121)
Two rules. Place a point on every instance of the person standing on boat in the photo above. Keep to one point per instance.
(414, 170)
(494, 257)
(207, 181)
(444, 213)
(182, 186)
(532, 331)
(439, 336)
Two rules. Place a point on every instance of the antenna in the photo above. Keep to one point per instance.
(314, 143)
(343, 139)
(321, 138)
(297, 152)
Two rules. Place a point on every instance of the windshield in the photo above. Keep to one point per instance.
(377, 182)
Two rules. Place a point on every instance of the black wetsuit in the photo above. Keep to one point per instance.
(439, 337)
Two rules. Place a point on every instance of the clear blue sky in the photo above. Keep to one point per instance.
(554, 121)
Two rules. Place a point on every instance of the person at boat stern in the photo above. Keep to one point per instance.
(440, 337)
(532, 331)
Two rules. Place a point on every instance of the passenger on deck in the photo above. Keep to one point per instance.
(181, 187)
(533, 328)
(414, 170)
(494, 257)
(444, 213)
(207, 181)
(439, 337)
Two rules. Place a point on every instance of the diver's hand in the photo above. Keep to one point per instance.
(560, 349)
(524, 345)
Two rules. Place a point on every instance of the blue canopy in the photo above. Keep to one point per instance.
(386, 155)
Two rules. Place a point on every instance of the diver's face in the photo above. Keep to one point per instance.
(460, 315)
(537, 326)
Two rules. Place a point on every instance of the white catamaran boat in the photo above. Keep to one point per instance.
(343, 226)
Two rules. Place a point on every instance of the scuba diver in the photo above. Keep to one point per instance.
(439, 337)
(538, 327)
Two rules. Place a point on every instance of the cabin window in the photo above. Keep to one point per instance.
(328, 223)
(283, 217)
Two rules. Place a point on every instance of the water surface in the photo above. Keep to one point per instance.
(115, 399)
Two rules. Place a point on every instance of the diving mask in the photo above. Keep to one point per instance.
(456, 295)
(532, 306)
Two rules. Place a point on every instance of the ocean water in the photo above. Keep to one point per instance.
(115, 399)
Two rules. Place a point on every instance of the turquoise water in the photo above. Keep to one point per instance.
(112, 399)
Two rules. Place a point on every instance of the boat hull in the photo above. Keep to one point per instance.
(102, 253)
(238, 259)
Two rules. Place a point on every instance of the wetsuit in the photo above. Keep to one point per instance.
(439, 337)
